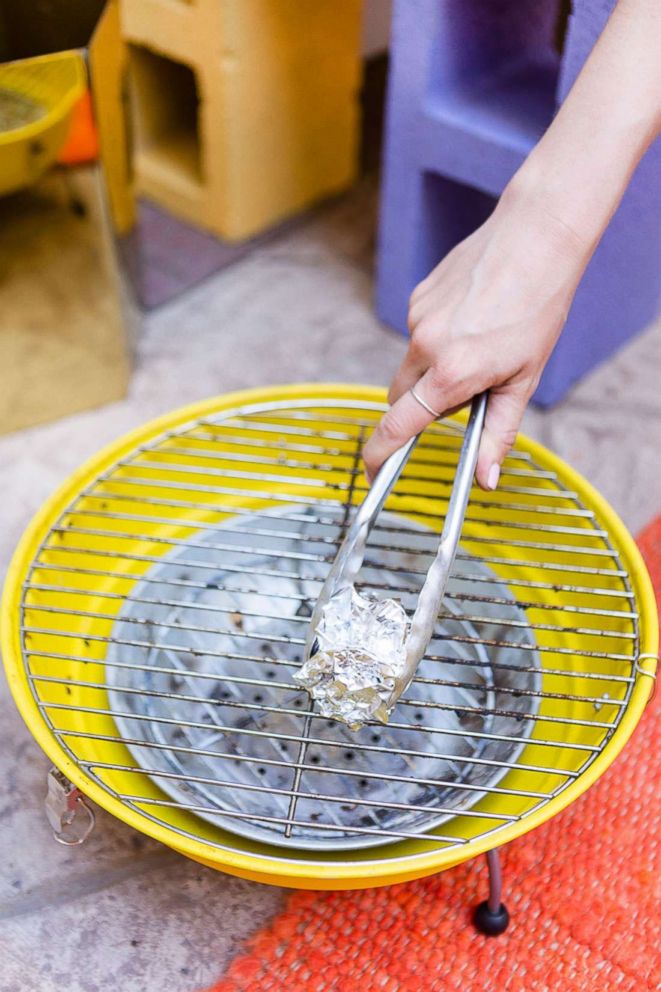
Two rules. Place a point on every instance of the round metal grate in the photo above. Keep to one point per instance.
(223, 727)
(164, 612)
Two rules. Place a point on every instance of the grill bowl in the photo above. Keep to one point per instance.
(248, 707)
(549, 540)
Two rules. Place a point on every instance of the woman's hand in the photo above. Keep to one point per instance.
(487, 317)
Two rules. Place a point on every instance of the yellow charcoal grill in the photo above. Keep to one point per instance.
(37, 96)
(155, 611)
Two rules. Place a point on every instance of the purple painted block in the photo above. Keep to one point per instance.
(473, 84)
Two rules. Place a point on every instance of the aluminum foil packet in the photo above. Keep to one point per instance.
(361, 654)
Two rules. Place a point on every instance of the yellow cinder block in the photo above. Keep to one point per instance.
(245, 110)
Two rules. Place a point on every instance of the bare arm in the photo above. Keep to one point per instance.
(489, 315)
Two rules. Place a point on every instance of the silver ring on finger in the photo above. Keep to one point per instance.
(424, 404)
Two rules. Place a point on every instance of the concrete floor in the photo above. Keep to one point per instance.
(122, 912)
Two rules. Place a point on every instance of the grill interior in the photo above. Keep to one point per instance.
(236, 692)
(165, 613)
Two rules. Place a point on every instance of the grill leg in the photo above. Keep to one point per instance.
(491, 917)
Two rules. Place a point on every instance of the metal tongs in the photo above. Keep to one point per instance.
(350, 555)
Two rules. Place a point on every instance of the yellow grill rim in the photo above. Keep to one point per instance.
(27, 151)
(58, 91)
(284, 871)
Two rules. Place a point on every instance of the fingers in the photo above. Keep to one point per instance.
(409, 372)
(505, 411)
(406, 417)
(446, 391)
(417, 304)
(424, 348)
(402, 421)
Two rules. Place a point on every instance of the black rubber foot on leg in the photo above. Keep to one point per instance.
(491, 924)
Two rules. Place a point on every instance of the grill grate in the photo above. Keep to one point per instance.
(165, 613)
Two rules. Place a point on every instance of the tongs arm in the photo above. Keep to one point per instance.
(435, 584)
(344, 570)
(349, 558)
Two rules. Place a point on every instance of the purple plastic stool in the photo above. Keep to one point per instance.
(473, 85)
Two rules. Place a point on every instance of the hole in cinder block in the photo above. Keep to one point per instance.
(496, 65)
(450, 213)
(166, 111)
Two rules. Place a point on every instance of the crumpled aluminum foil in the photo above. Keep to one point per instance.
(361, 654)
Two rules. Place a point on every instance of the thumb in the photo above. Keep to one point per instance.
(505, 411)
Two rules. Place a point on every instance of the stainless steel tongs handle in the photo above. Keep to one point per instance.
(435, 584)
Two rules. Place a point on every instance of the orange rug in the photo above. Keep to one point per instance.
(583, 891)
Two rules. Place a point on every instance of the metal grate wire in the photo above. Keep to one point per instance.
(114, 622)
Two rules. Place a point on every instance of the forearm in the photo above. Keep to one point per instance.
(580, 169)
(490, 313)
